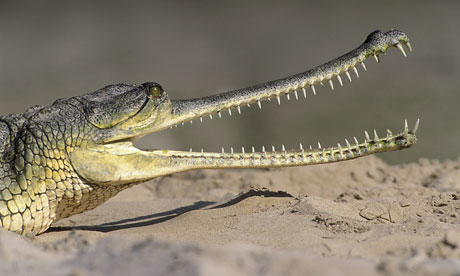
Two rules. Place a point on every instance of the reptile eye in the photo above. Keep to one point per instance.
(154, 90)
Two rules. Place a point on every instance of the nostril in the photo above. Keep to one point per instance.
(375, 35)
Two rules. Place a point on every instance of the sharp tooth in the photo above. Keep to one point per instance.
(191, 150)
(223, 151)
(406, 127)
(304, 92)
(210, 116)
(191, 122)
(201, 119)
(376, 137)
(357, 145)
(283, 148)
(287, 96)
(340, 147)
(414, 130)
(248, 105)
(229, 112)
(253, 149)
(389, 133)
(408, 46)
(202, 150)
(314, 90)
(259, 104)
(356, 72)
(348, 144)
(231, 150)
(310, 147)
(301, 147)
(239, 109)
(364, 66)
(278, 99)
(348, 75)
(376, 57)
(175, 125)
(296, 95)
(367, 135)
(220, 115)
(182, 123)
(340, 80)
(331, 84)
(319, 145)
(242, 150)
(273, 148)
(263, 149)
(401, 49)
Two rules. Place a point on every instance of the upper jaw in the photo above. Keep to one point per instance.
(173, 112)
(291, 86)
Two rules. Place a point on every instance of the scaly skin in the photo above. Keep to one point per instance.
(70, 157)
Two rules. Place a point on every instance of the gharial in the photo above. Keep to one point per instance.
(72, 156)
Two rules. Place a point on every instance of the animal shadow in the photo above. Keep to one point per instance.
(156, 218)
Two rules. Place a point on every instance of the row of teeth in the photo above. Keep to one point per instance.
(349, 147)
(312, 86)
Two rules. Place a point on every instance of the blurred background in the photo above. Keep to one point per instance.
(57, 49)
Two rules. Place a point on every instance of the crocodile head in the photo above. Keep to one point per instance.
(120, 114)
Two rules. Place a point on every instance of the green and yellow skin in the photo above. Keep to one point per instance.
(72, 156)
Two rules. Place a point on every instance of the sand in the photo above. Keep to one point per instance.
(361, 217)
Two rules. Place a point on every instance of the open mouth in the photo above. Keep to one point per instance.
(297, 86)
(124, 163)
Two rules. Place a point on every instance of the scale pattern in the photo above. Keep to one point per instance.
(37, 182)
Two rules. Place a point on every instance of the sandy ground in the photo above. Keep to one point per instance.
(361, 217)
